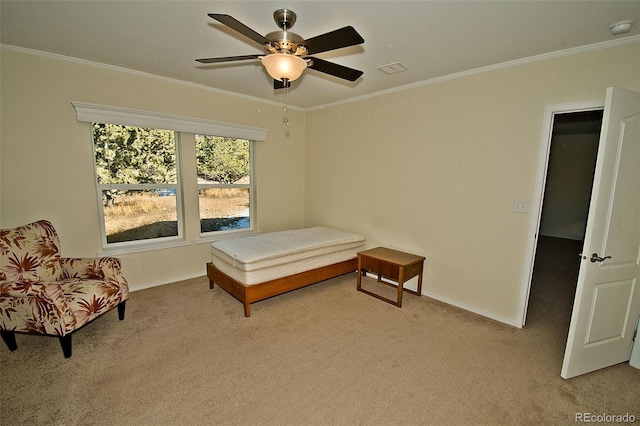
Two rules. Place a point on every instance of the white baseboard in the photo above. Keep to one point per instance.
(413, 285)
(170, 281)
(472, 309)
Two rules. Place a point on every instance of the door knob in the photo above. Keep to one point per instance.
(595, 258)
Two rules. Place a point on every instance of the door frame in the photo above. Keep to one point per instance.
(538, 195)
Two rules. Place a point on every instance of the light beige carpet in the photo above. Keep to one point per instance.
(322, 355)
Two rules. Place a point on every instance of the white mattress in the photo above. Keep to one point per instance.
(260, 258)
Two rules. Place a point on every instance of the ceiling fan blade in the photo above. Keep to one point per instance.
(335, 69)
(277, 84)
(227, 59)
(343, 37)
(238, 26)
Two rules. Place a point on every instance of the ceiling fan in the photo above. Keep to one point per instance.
(287, 54)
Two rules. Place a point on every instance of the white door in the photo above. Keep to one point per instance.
(607, 300)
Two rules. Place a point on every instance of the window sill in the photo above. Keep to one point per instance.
(144, 247)
(139, 248)
(208, 239)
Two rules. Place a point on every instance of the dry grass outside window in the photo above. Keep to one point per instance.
(140, 210)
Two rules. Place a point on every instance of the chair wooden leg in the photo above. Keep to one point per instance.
(121, 307)
(9, 338)
(65, 342)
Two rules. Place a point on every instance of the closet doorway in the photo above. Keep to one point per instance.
(572, 154)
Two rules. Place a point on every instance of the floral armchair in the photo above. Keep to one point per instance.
(44, 293)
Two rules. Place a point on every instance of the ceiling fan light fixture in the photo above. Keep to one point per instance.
(282, 66)
(286, 54)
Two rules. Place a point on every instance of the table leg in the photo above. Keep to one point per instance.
(400, 285)
(359, 278)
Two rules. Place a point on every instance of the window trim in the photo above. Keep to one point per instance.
(93, 113)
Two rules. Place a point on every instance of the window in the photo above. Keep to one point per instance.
(137, 180)
(224, 183)
(146, 200)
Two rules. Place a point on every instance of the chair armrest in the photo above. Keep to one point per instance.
(92, 268)
(108, 269)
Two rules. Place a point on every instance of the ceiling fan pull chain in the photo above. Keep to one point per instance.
(284, 105)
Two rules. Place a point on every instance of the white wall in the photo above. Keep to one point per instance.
(46, 169)
(434, 170)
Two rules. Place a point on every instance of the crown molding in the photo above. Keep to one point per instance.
(509, 64)
(108, 67)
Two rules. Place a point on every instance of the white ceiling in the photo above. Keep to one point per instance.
(431, 38)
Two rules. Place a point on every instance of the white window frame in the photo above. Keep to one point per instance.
(135, 245)
(213, 235)
(93, 113)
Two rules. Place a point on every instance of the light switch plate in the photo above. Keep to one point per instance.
(520, 206)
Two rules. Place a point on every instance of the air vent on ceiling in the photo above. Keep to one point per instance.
(393, 68)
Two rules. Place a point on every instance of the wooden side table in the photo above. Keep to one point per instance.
(392, 264)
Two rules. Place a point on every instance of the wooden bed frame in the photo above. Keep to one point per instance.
(248, 294)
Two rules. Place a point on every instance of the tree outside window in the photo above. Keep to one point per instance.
(137, 177)
(224, 183)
